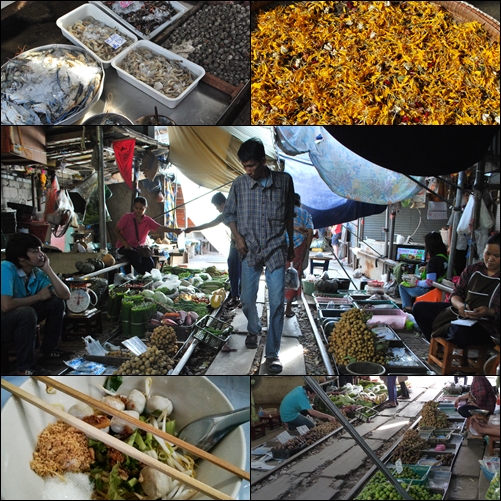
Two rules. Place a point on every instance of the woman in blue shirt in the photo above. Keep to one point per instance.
(296, 404)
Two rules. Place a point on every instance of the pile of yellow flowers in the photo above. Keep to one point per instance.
(374, 63)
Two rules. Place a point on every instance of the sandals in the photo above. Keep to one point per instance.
(251, 341)
(274, 365)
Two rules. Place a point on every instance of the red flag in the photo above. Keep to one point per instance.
(124, 153)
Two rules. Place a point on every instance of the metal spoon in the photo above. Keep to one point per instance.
(206, 432)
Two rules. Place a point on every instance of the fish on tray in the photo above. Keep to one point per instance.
(48, 85)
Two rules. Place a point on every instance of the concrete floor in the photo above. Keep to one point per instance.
(332, 466)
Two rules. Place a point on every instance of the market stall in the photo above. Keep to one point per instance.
(213, 90)
(422, 446)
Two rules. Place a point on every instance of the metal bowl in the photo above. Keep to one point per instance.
(75, 117)
(479, 412)
(151, 120)
(108, 119)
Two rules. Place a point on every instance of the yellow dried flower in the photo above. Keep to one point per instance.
(374, 63)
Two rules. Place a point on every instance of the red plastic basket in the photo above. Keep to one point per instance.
(39, 229)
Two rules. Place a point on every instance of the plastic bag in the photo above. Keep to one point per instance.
(291, 278)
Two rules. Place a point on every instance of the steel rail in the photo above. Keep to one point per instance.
(321, 347)
(355, 435)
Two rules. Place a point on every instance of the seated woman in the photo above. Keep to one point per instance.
(475, 297)
(481, 396)
(483, 428)
(436, 270)
(132, 231)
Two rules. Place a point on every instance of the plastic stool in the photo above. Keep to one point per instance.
(433, 296)
(448, 357)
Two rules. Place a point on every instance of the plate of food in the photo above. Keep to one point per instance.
(27, 430)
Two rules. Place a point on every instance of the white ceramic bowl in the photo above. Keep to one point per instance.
(192, 396)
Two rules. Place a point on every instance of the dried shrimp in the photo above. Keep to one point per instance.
(164, 75)
(105, 41)
(377, 63)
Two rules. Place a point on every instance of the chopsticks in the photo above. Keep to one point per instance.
(142, 425)
(128, 450)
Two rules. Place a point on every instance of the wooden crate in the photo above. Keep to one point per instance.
(23, 145)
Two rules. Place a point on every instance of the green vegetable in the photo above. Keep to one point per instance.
(113, 383)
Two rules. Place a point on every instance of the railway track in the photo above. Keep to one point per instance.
(335, 467)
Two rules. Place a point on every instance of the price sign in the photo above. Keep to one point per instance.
(115, 41)
(284, 437)
(399, 466)
(303, 429)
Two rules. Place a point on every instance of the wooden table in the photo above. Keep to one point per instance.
(322, 262)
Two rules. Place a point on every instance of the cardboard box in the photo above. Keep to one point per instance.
(23, 145)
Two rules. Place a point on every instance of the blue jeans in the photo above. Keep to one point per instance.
(276, 295)
(407, 293)
(391, 384)
(19, 325)
(234, 271)
(301, 421)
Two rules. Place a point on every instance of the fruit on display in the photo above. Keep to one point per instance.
(119, 354)
(351, 340)
(381, 488)
(309, 438)
(493, 491)
(108, 260)
(446, 459)
(406, 472)
(432, 416)
(164, 338)
(409, 448)
(152, 362)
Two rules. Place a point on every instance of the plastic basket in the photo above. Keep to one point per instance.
(39, 229)
(202, 333)
(308, 287)
(373, 305)
(440, 436)
(422, 471)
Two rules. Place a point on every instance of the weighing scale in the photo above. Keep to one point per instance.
(80, 295)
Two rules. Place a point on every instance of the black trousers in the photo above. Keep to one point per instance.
(140, 264)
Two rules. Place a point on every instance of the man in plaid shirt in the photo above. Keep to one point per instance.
(259, 210)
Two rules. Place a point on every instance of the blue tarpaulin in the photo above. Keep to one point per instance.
(326, 208)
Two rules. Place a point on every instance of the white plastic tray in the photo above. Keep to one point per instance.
(198, 71)
(64, 22)
(181, 9)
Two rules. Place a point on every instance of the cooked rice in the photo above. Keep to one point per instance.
(61, 448)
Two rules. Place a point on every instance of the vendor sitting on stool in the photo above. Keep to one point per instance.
(132, 231)
(296, 405)
(31, 292)
(480, 396)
